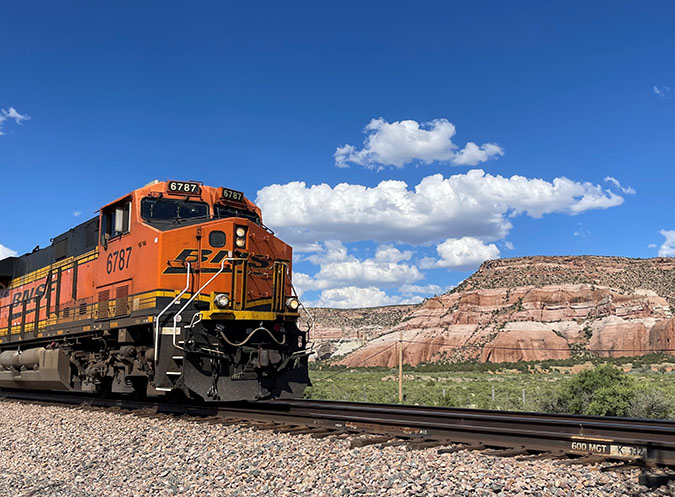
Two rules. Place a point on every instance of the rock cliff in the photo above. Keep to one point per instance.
(337, 332)
(528, 308)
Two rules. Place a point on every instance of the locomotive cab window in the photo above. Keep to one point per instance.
(224, 211)
(169, 210)
(116, 220)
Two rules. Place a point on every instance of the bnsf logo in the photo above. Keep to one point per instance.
(209, 257)
(17, 298)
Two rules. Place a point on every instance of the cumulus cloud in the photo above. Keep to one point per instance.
(628, 190)
(662, 91)
(461, 254)
(667, 249)
(338, 268)
(473, 204)
(472, 154)
(401, 142)
(352, 297)
(430, 289)
(12, 113)
(7, 252)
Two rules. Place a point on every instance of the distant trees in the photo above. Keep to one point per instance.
(607, 391)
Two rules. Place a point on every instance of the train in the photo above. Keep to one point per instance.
(176, 289)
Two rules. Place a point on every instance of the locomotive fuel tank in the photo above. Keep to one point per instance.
(36, 368)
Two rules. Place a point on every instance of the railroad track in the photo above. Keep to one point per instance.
(648, 444)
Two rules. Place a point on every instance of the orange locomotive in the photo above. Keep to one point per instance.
(174, 287)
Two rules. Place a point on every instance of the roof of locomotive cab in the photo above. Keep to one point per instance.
(210, 192)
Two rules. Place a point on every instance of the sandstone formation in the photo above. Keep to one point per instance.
(337, 332)
(545, 308)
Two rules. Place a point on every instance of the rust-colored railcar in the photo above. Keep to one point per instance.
(175, 287)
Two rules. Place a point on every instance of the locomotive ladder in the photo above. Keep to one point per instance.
(174, 369)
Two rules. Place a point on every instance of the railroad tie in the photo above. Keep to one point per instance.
(582, 460)
(544, 455)
(310, 430)
(207, 420)
(362, 442)
(266, 426)
(226, 421)
(425, 444)
(396, 443)
(291, 429)
(452, 450)
(653, 480)
(626, 465)
(328, 433)
(510, 452)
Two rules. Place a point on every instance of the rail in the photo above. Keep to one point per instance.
(639, 442)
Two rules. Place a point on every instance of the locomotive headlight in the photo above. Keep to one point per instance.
(240, 242)
(221, 300)
(240, 231)
(293, 304)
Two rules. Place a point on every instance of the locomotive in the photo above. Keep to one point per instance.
(173, 289)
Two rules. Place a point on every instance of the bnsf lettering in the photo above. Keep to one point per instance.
(36, 292)
(259, 262)
(207, 256)
(190, 255)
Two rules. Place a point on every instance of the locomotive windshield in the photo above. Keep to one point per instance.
(223, 211)
(168, 209)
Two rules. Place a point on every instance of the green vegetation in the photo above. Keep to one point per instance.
(602, 391)
(647, 389)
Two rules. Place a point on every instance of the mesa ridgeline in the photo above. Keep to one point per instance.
(525, 308)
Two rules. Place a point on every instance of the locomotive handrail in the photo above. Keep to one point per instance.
(310, 316)
(187, 286)
(198, 292)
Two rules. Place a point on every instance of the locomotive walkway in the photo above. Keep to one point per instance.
(576, 439)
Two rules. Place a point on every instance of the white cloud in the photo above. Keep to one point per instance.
(581, 232)
(508, 245)
(461, 254)
(430, 289)
(352, 297)
(401, 142)
(628, 190)
(667, 249)
(11, 114)
(663, 91)
(472, 154)
(472, 204)
(338, 268)
(77, 213)
(651, 246)
(302, 282)
(328, 251)
(7, 252)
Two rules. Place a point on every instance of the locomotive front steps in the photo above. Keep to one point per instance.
(169, 369)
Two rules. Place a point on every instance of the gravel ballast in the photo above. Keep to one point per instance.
(59, 451)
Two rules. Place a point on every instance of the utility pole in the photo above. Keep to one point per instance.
(400, 366)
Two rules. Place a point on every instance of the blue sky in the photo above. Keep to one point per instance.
(254, 96)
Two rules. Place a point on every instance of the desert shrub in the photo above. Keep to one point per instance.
(602, 391)
(653, 404)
